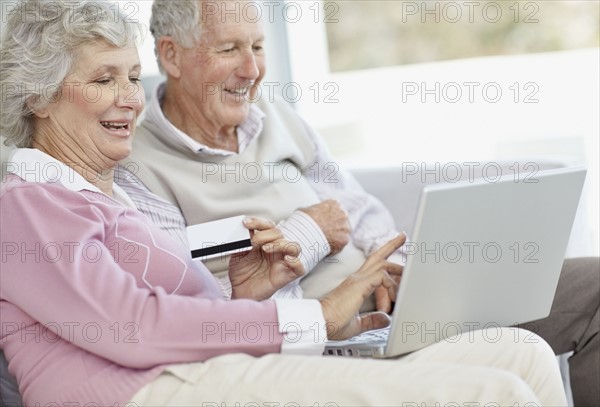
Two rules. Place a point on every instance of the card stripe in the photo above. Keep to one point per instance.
(207, 251)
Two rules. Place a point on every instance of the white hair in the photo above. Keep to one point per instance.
(39, 43)
(180, 19)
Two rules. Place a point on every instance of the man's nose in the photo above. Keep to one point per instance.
(249, 67)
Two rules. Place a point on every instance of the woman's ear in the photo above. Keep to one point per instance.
(169, 53)
(40, 113)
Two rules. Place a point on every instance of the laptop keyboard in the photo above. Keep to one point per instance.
(367, 344)
(379, 335)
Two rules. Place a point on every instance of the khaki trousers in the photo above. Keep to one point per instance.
(506, 367)
(572, 326)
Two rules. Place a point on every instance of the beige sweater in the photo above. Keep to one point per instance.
(264, 180)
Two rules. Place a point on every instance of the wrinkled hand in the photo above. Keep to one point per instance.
(340, 306)
(333, 221)
(383, 301)
(271, 264)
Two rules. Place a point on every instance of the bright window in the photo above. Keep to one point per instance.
(388, 33)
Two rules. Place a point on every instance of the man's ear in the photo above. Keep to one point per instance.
(169, 53)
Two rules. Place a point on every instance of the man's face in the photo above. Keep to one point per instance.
(219, 74)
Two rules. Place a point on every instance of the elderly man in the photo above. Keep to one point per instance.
(202, 134)
(209, 153)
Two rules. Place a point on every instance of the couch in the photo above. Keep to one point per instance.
(399, 189)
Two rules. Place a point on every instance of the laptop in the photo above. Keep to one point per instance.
(485, 254)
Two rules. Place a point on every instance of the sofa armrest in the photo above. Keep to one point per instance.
(398, 193)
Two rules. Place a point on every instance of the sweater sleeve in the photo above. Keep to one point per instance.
(372, 224)
(57, 269)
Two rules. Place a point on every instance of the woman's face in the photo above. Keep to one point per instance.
(94, 115)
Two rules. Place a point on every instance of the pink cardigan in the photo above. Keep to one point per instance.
(95, 301)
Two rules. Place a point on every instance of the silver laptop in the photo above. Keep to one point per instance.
(484, 255)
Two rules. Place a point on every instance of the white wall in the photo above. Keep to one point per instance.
(390, 116)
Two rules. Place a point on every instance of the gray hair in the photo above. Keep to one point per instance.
(39, 44)
(179, 19)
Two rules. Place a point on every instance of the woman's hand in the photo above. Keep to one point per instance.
(340, 306)
(271, 264)
(383, 301)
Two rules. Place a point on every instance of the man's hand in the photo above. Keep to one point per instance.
(341, 305)
(333, 221)
(271, 264)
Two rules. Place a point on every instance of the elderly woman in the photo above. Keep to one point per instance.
(99, 306)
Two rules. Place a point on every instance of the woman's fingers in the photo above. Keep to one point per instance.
(393, 268)
(294, 263)
(383, 302)
(386, 293)
(390, 247)
(358, 324)
(256, 223)
(374, 320)
(262, 231)
(290, 252)
(289, 248)
(266, 237)
(340, 307)
(282, 246)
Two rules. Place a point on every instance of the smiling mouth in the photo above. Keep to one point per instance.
(238, 92)
(115, 126)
